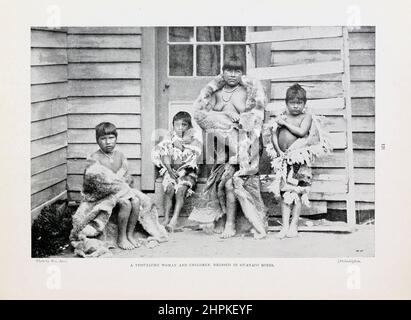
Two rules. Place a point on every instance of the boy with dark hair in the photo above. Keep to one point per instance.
(296, 138)
(129, 205)
(177, 156)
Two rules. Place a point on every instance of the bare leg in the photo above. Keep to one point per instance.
(180, 196)
(132, 221)
(229, 229)
(168, 203)
(123, 216)
(293, 231)
(285, 212)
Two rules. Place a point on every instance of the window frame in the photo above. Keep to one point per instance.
(195, 43)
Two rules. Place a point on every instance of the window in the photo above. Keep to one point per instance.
(201, 51)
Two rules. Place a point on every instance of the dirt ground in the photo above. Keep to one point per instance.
(191, 243)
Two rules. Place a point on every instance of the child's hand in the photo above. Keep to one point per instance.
(281, 121)
(178, 144)
(235, 117)
(173, 174)
(129, 180)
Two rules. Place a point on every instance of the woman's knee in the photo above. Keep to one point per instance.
(181, 192)
(135, 203)
(124, 204)
(169, 190)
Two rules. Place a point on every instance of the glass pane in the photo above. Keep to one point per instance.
(235, 51)
(180, 59)
(180, 34)
(234, 33)
(208, 60)
(210, 34)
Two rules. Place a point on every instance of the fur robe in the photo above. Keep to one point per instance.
(246, 133)
(101, 191)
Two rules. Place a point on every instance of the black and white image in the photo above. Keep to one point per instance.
(203, 141)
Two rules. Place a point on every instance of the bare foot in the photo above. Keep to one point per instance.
(151, 242)
(172, 226)
(282, 234)
(208, 228)
(259, 236)
(124, 244)
(293, 232)
(229, 231)
(133, 241)
(218, 227)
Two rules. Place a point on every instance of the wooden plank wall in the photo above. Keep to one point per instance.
(104, 85)
(362, 68)
(48, 116)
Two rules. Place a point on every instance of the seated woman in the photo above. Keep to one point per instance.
(231, 108)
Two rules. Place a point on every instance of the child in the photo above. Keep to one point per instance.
(129, 205)
(296, 138)
(177, 155)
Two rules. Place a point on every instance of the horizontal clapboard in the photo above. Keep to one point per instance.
(48, 178)
(361, 175)
(357, 73)
(48, 161)
(84, 88)
(364, 140)
(357, 41)
(48, 109)
(48, 39)
(104, 30)
(48, 74)
(89, 136)
(104, 55)
(50, 29)
(88, 121)
(77, 166)
(48, 144)
(293, 71)
(103, 41)
(48, 127)
(49, 91)
(357, 57)
(43, 196)
(279, 34)
(48, 56)
(104, 71)
(359, 205)
(363, 106)
(85, 149)
(337, 159)
(103, 105)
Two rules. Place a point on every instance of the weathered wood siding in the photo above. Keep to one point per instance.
(49, 85)
(362, 68)
(104, 73)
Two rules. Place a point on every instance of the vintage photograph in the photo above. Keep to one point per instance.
(203, 141)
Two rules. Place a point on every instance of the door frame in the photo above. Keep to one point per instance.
(149, 90)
